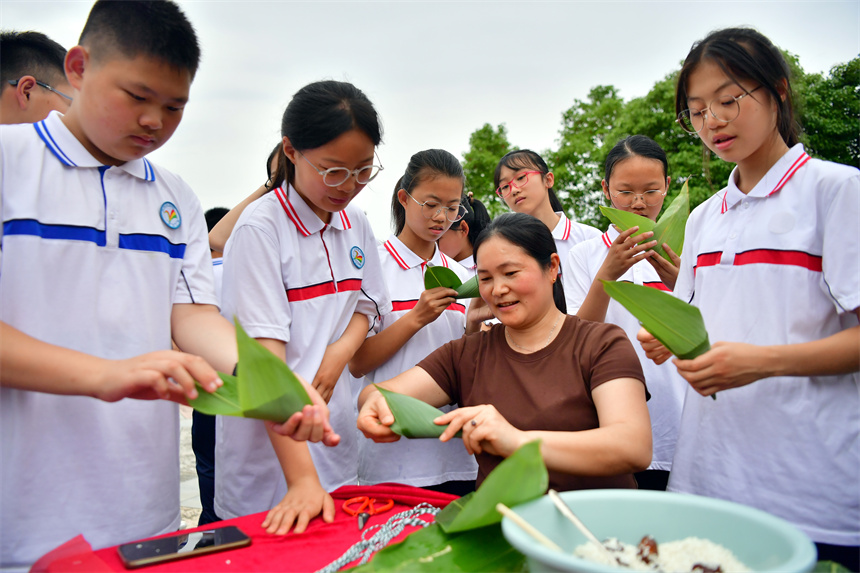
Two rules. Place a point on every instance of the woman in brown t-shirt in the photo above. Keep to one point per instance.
(540, 374)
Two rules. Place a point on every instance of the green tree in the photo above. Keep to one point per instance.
(831, 115)
(576, 164)
(486, 146)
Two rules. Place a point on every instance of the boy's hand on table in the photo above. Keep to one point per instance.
(305, 500)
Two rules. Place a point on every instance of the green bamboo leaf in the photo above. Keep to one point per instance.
(520, 478)
(265, 387)
(625, 220)
(431, 549)
(672, 223)
(469, 289)
(224, 401)
(436, 276)
(413, 418)
(676, 324)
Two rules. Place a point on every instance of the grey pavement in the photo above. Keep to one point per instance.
(189, 492)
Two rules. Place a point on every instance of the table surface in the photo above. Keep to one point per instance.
(312, 550)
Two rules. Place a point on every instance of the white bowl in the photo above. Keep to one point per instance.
(759, 540)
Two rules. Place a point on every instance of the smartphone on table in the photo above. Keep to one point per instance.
(181, 545)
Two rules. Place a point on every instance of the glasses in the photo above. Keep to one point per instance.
(335, 176)
(430, 210)
(693, 120)
(517, 182)
(627, 198)
(14, 83)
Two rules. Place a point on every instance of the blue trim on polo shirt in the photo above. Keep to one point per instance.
(154, 243)
(45, 231)
(132, 242)
(149, 172)
(53, 147)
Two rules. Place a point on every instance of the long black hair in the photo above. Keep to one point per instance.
(323, 111)
(532, 236)
(526, 159)
(476, 217)
(745, 54)
(423, 166)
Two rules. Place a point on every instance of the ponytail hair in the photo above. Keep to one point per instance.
(532, 236)
(745, 54)
(526, 159)
(323, 111)
(476, 217)
(278, 175)
(423, 166)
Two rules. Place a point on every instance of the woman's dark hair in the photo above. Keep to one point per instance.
(526, 159)
(423, 166)
(476, 217)
(279, 175)
(532, 236)
(634, 145)
(323, 111)
(745, 54)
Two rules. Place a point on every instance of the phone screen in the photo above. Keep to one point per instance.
(180, 545)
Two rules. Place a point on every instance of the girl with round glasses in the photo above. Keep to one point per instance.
(636, 181)
(771, 262)
(524, 182)
(425, 203)
(302, 276)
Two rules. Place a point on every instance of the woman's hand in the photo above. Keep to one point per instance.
(305, 500)
(476, 315)
(726, 365)
(624, 253)
(667, 271)
(653, 348)
(432, 303)
(375, 419)
(484, 430)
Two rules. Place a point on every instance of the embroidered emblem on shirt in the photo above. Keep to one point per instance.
(170, 215)
(357, 256)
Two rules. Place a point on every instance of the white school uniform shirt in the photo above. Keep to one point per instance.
(666, 386)
(470, 265)
(568, 233)
(289, 276)
(217, 274)
(94, 258)
(779, 265)
(427, 461)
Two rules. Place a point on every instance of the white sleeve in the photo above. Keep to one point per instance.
(841, 242)
(253, 287)
(374, 301)
(577, 278)
(196, 283)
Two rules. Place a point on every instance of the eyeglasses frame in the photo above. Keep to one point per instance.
(14, 83)
(461, 209)
(662, 195)
(708, 109)
(350, 173)
(511, 183)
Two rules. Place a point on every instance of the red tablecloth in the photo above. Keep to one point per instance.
(321, 544)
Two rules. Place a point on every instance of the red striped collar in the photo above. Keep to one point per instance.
(407, 259)
(303, 217)
(562, 228)
(610, 235)
(773, 181)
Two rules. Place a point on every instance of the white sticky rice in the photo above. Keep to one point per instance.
(673, 556)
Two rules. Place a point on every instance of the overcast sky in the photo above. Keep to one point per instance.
(436, 71)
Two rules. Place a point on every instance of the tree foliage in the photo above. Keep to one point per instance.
(828, 109)
(486, 146)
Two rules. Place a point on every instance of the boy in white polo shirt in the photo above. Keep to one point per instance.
(104, 258)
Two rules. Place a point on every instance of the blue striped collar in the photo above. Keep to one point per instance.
(71, 152)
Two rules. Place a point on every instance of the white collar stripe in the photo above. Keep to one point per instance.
(345, 220)
(606, 240)
(45, 135)
(566, 235)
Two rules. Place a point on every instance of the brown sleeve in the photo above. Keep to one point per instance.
(612, 356)
(441, 365)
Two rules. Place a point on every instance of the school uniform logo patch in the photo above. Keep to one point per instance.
(170, 215)
(357, 256)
